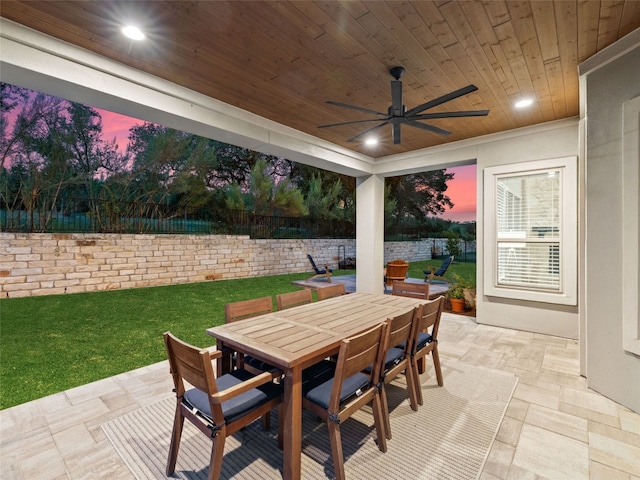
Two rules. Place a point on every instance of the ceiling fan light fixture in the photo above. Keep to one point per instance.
(523, 103)
(371, 141)
(133, 32)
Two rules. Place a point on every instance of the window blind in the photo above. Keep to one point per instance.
(528, 233)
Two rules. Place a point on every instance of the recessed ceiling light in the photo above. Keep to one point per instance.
(134, 33)
(525, 102)
(371, 141)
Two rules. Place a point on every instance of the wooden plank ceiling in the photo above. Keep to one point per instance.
(282, 60)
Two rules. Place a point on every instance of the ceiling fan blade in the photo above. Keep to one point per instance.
(362, 134)
(472, 113)
(349, 123)
(396, 97)
(395, 134)
(429, 128)
(445, 98)
(360, 109)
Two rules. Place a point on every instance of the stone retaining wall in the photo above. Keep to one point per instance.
(49, 264)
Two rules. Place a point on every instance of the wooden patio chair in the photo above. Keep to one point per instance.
(319, 272)
(336, 399)
(217, 407)
(234, 312)
(331, 291)
(395, 270)
(425, 342)
(410, 289)
(398, 359)
(293, 299)
(437, 272)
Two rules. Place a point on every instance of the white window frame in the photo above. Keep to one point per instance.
(567, 293)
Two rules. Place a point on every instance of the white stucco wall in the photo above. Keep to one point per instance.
(557, 141)
(611, 370)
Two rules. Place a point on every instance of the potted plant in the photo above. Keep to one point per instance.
(456, 297)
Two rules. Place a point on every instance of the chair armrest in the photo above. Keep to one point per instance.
(243, 387)
(213, 352)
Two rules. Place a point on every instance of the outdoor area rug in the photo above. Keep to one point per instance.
(449, 437)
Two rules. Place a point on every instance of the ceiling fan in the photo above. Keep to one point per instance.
(398, 115)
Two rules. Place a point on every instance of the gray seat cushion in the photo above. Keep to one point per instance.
(393, 357)
(254, 362)
(316, 375)
(350, 388)
(423, 340)
(237, 406)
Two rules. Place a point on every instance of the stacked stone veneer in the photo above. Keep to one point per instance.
(49, 264)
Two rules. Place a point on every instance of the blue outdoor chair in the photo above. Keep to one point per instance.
(320, 272)
(432, 272)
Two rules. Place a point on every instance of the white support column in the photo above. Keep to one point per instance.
(370, 233)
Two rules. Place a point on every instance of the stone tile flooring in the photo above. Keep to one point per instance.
(555, 427)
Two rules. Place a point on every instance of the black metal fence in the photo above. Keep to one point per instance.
(146, 217)
(405, 233)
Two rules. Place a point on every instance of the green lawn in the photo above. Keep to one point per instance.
(52, 343)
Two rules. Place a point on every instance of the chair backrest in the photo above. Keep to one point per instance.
(410, 289)
(333, 290)
(443, 268)
(293, 299)
(355, 355)
(429, 318)
(247, 309)
(400, 329)
(396, 270)
(313, 264)
(194, 365)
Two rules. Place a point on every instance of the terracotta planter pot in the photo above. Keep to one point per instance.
(457, 305)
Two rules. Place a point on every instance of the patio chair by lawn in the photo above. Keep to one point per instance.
(218, 407)
(320, 272)
(433, 272)
(331, 291)
(411, 290)
(237, 311)
(293, 299)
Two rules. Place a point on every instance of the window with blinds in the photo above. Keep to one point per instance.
(528, 230)
(531, 231)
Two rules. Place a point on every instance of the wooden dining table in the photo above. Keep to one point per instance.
(296, 338)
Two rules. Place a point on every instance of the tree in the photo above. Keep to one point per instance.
(453, 245)
(324, 204)
(264, 196)
(55, 153)
(418, 195)
(11, 97)
(317, 183)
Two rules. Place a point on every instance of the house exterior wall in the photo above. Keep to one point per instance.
(558, 320)
(611, 370)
